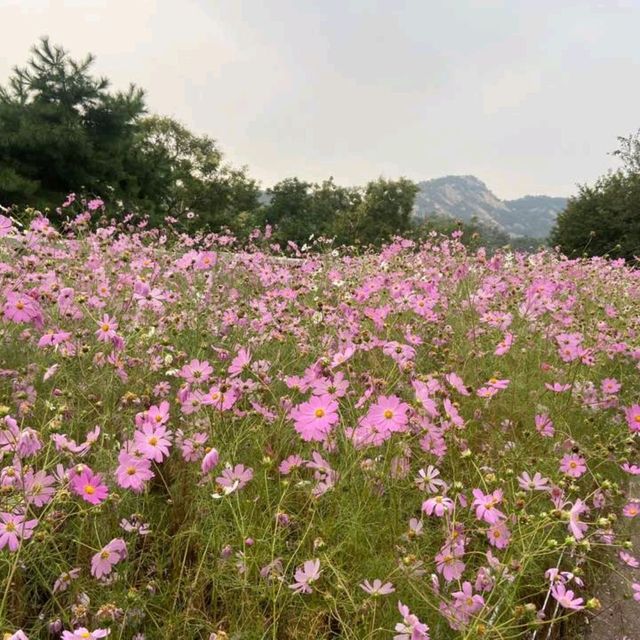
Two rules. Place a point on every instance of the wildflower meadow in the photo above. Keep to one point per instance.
(208, 438)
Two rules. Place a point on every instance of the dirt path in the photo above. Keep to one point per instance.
(619, 618)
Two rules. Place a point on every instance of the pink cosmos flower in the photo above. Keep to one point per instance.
(632, 469)
(537, 483)
(65, 579)
(388, 414)
(631, 509)
(629, 560)
(457, 383)
(240, 362)
(636, 591)
(314, 419)
(556, 387)
(13, 529)
(410, 628)
(102, 563)
(437, 505)
(428, 480)
(544, 425)
(466, 601)
(576, 527)
(106, 329)
(82, 633)
(196, 372)
(154, 415)
(38, 487)
(294, 461)
(566, 597)
(306, 575)
(209, 461)
(133, 472)
(193, 448)
(237, 477)
(573, 465)
(377, 588)
(449, 564)
(89, 486)
(632, 414)
(153, 441)
(499, 535)
(486, 505)
(610, 386)
(5, 226)
(21, 308)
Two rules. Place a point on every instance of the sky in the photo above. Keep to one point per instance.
(527, 95)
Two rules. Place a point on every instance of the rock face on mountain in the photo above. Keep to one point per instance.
(464, 197)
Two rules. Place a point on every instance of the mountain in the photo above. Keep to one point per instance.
(464, 197)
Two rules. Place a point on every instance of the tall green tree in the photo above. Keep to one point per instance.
(62, 130)
(384, 211)
(604, 218)
(190, 176)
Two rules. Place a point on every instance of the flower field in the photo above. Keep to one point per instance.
(202, 439)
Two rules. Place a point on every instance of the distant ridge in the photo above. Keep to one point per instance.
(464, 197)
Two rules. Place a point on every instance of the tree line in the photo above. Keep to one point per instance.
(64, 130)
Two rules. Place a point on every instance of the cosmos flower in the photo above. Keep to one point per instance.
(102, 563)
(305, 576)
(89, 486)
(314, 419)
(573, 465)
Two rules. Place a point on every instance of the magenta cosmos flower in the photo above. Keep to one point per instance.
(573, 465)
(437, 505)
(314, 419)
(486, 505)
(13, 529)
(82, 633)
(632, 414)
(566, 597)
(133, 472)
(106, 329)
(89, 487)
(387, 414)
(153, 441)
(103, 562)
(5, 226)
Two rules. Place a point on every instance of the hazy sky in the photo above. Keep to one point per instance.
(527, 95)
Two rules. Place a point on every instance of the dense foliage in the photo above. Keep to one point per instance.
(207, 440)
(604, 219)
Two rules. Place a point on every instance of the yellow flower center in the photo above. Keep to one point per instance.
(105, 327)
(153, 441)
(319, 413)
(20, 305)
(89, 489)
(10, 527)
(131, 471)
(388, 414)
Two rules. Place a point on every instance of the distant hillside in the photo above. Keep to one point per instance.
(464, 197)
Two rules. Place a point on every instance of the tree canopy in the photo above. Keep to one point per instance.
(604, 218)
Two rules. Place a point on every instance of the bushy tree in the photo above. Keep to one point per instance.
(604, 219)
(383, 211)
(61, 130)
(190, 176)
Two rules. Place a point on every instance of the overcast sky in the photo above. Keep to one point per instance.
(528, 95)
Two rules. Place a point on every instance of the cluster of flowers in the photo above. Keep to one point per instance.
(482, 413)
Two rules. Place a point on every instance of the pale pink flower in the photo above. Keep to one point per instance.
(306, 575)
(102, 563)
